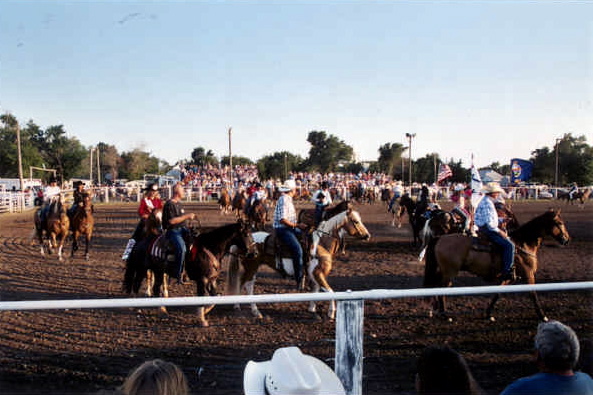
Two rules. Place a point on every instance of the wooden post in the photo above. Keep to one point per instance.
(349, 344)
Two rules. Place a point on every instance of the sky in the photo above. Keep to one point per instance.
(492, 79)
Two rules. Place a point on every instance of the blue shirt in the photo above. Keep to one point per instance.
(551, 384)
(486, 214)
(284, 209)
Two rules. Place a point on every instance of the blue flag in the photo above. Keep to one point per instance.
(520, 170)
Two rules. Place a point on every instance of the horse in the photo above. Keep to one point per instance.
(449, 254)
(583, 196)
(307, 217)
(82, 223)
(387, 195)
(257, 215)
(149, 259)
(317, 267)
(416, 219)
(397, 212)
(239, 203)
(56, 227)
(224, 202)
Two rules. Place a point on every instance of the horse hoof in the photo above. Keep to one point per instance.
(491, 319)
(545, 319)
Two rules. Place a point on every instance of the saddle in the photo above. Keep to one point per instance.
(282, 251)
(483, 244)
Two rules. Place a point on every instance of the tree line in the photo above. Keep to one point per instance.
(571, 160)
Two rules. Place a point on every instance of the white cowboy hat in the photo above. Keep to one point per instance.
(492, 188)
(288, 185)
(290, 372)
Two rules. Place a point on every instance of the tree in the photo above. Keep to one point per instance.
(237, 161)
(137, 163)
(327, 152)
(278, 165)
(109, 161)
(9, 151)
(575, 162)
(390, 159)
(201, 157)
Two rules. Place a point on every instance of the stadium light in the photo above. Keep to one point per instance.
(410, 136)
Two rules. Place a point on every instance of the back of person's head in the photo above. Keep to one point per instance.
(586, 356)
(557, 346)
(442, 370)
(156, 377)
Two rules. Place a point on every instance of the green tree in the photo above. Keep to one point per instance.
(8, 148)
(278, 165)
(575, 162)
(327, 152)
(460, 174)
(424, 168)
(201, 157)
(390, 159)
(136, 163)
(237, 161)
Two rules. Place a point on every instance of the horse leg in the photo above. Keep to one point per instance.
(86, 248)
(160, 282)
(201, 291)
(74, 243)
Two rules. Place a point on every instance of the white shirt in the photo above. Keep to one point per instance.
(49, 192)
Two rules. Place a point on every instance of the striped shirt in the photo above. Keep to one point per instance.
(284, 209)
(486, 214)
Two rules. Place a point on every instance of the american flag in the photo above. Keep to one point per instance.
(444, 172)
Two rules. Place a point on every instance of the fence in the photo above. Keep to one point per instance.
(349, 321)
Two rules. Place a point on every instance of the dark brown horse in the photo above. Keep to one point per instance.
(258, 215)
(318, 267)
(307, 215)
(449, 254)
(150, 259)
(81, 223)
(239, 203)
(55, 228)
(416, 218)
(224, 201)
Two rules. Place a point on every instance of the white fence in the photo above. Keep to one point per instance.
(350, 314)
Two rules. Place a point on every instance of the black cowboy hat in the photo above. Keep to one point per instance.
(152, 187)
(77, 183)
(52, 179)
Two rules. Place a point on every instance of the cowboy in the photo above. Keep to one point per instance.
(322, 199)
(486, 219)
(175, 223)
(78, 196)
(287, 228)
(290, 372)
(397, 193)
(49, 193)
(574, 189)
(258, 195)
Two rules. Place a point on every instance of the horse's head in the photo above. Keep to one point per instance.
(555, 226)
(249, 244)
(154, 222)
(354, 226)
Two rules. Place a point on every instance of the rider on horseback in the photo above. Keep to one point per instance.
(49, 193)
(397, 193)
(322, 199)
(78, 196)
(574, 189)
(175, 223)
(460, 208)
(149, 203)
(257, 195)
(486, 219)
(287, 228)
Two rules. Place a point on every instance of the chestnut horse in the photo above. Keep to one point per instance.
(449, 254)
(82, 223)
(56, 227)
(318, 267)
(224, 201)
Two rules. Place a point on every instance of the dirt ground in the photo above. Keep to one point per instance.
(91, 351)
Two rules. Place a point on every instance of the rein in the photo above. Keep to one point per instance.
(524, 251)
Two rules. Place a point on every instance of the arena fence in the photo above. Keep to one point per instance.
(349, 320)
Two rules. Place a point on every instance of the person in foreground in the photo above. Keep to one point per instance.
(156, 377)
(556, 352)
(290, 372)
(442, 370)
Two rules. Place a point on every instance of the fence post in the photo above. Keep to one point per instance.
(349, 341)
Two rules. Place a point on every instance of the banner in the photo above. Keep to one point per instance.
(520, 170)
(444, 172)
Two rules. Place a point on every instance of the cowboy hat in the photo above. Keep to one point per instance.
(77, 183)
(290, 372)
(492, 188)
(288, 185)
(151, 187)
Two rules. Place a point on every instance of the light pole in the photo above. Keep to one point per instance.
(231, 159)
(558, 140)
(285, 166)
(410, 136)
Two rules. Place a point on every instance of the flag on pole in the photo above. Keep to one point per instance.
(444, 172)
(520, 170)
(476, 185)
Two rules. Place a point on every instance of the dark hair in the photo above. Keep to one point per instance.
(442, 370)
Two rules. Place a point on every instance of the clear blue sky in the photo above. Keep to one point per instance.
(494, 78)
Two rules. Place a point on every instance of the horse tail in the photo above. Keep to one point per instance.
(432, 275)
(233, 279)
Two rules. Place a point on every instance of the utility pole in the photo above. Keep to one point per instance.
(558, 140)
(20, 156)
(91, 167)
(98, 167)
(231, 158)
(410, 136)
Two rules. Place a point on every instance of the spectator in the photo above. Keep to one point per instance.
(556, 352)
(442, 370)
(156, 377)
(586, 357)
(290, 372)
(322, 199)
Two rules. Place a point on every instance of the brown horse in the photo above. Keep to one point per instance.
(224, 201)
(452, 253)
(56, 227)
(239, 203)
(307, 215)
(318, 267)
(82, 222)
(258, 215)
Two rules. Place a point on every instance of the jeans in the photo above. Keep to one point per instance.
(176, 237)
(289, 237)
(508, 249)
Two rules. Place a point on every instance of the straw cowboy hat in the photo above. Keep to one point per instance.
(290, 372)
(492, 188)
(288, 185)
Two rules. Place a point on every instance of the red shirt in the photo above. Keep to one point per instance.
(147, 205)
